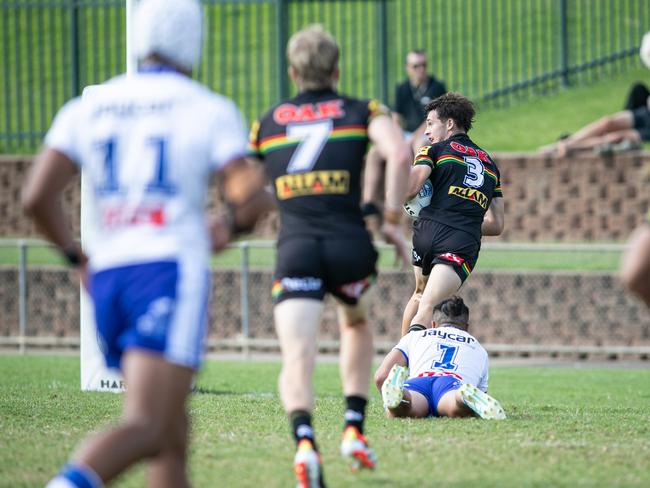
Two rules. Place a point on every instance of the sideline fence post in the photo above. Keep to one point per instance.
(383, 57)
(281, 12)
(22, 295)
(564, 44)
(245, 318)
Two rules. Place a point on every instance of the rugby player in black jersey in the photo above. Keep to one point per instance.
(313, 147)
(467, 203)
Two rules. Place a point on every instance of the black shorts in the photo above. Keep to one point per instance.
(642, 122)
(435, 243)
(309, 267)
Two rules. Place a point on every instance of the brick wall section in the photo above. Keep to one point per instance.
(579, 199)
(13, 223)
(558, 308)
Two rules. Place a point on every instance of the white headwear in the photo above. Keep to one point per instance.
(171, 29)
(644, 52)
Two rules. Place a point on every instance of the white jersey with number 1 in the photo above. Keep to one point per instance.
(446, 351)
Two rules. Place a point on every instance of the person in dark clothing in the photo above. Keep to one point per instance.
(312, 147)
(622, 131)
(467, 203)
(414, 93)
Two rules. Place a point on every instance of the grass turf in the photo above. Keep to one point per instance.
(565, 427)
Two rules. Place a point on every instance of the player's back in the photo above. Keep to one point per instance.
(465, 179)
(148, 144)
(446, 351)
(313, 147)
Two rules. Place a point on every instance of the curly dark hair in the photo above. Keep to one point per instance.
(452, 311)
(453, 106)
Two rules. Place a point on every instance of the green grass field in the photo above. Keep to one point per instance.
(566, 427)
(489, 259)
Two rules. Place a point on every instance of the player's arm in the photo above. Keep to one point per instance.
(388, 139)
(41, 200)
(243, 186)
(494, 219)
(394, 357)
(390, 143)
(418, 175)
(635, 266)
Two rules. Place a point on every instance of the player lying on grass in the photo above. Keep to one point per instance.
(438, 372)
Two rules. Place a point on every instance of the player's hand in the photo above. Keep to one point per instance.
(394, 235)
(82, 275)
(220, 233)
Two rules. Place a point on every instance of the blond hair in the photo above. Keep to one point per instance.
(314, 55)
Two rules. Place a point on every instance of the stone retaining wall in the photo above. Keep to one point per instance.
(559, 309)
(580, 199)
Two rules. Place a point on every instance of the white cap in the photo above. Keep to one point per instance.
(644, 52)
(171, 29)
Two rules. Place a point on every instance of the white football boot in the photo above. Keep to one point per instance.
(481, 403)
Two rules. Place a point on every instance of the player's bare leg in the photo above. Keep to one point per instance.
(296, 324)
(413, 405)
(169, 468)
(612, 128)
(452, 405)
(635, 265)
(357, 350)
(443, 282)
(154, 404)
(398, 401)
(414, 302)
(356, 356)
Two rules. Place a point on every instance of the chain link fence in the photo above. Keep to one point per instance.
(524, 299)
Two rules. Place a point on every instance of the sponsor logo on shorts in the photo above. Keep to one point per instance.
(288, 285)
(454, 258)
(156, 319)
(335, 182)
(416, 257)
(441, 373)
(469, 194)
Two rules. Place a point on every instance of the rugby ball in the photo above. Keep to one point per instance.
(419, 201)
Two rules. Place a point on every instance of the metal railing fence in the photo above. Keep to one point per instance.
(513, 309)
(491, 50)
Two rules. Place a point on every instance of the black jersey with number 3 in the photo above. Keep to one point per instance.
(313, 147)
(464, 179)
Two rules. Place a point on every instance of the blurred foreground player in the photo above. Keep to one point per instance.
(148, 145)
(313, 147)
(635, 266)
(438, 372)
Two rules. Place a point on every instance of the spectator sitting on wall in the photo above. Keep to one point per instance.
(622, 131)
(451, 384)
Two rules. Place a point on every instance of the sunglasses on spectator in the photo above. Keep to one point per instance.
(419, 65)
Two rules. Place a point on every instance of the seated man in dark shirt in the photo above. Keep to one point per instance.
(414, 93)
